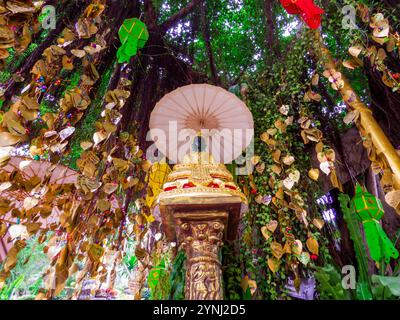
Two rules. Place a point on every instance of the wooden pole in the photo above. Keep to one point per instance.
(367, 123)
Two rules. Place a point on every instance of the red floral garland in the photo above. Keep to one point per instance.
(310, 13)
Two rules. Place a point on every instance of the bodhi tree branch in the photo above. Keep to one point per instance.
(179, 15)
(206, 35)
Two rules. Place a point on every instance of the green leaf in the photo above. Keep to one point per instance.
(352, 224)
(329, 284)
(363, 291)
(391, 283)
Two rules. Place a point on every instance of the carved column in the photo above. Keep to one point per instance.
(200, 225)
(202, 240)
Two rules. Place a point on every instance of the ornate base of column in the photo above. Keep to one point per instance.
(200, 225)
(202, 236)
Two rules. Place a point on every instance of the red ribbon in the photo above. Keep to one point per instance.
(310, 13)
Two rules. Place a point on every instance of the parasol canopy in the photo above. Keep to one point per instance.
(225, 123)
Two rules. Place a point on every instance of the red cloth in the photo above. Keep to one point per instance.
(310, 13)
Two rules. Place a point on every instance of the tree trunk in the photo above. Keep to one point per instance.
(207, 38)
(385, 105)
(270, 36)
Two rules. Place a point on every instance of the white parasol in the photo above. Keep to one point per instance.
(224, 120)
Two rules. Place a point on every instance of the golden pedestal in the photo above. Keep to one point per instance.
(200, 208)
(200, 225)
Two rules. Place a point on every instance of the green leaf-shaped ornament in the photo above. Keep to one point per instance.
(133, 35)
(369, 211)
